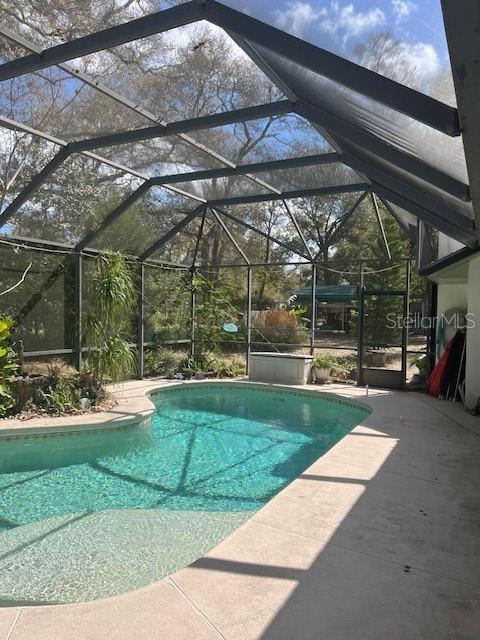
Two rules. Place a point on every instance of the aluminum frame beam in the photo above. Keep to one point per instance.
(345, 219)
(114, 215)
(173, 232)
(280, 243)
(401, 223)
(35, 182)
(197, 246)
(254, 55)
(230, 236)
(462, 26)
(399, 97)
(141, 111)
(141, 323)
(312, 160)
(78, 309)
(255, 167)
(69, 249)
(313, 310)
(294, 221)
(382, 228)
(427, 216)
(248, 323)
(417, 105)
(66, 148)
(257, 112)
(149, 25)
(437, 208)
(288, 195)
(349, 132)
(8, 123)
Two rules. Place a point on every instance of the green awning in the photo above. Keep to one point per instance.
(342, 293)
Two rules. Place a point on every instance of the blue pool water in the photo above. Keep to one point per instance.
(85, 516)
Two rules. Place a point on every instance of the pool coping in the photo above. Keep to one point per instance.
(134, 408)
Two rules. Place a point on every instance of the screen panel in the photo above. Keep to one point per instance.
(72, 200)
(41, 297)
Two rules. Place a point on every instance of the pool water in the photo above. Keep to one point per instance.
(92, 515)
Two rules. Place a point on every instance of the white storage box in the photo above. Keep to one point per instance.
(283, 368)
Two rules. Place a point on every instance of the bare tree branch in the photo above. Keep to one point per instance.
(22, 279)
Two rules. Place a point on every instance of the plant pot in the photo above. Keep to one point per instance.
(321, 375)
(87, 378)
(85, 404)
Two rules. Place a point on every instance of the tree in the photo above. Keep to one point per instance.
(190, 72)
(386, 54)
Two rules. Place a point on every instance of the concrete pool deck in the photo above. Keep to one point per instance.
(379, 538)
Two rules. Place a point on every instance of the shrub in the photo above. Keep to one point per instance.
(163, 361)
(224, 367)
(422, 363)
(167, 304)
(45, 367)
(62, 390)
(214, 308)
(114, 359)
(189, 367)
(325, 362)
(279, 326)
(8, 365)
(62, 393)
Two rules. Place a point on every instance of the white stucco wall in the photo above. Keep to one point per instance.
(459, 287)
(451, 296)
(472, 372)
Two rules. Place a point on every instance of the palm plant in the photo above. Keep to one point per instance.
(115, 296)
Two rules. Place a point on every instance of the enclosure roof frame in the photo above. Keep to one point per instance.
(395, 175)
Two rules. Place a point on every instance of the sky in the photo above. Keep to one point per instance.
(337, 25)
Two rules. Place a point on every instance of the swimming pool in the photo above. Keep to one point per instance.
(91, 515)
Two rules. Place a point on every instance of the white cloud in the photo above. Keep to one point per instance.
(402, 9)
(341, 21)
(296, 17)
(344, 22)
(414, 64)
(423, 57)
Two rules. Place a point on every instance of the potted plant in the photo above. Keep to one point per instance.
(322, 368)
(422, 363)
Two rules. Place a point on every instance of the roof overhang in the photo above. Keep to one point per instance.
(452, 268)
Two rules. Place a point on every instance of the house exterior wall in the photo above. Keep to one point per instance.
(472, 373)
(451, 296)
(464, 293)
